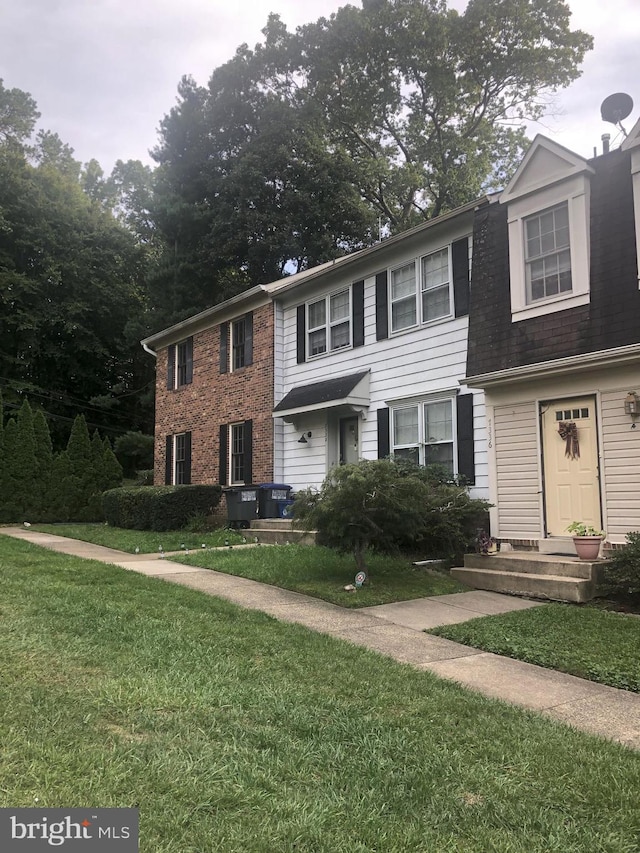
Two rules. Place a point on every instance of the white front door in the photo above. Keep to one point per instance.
(570, 459)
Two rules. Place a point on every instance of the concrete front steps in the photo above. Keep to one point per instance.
(279, 531)
(529, 573)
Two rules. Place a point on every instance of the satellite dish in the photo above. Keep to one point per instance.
(616, 107)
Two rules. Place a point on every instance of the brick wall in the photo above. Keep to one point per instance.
(215, 398)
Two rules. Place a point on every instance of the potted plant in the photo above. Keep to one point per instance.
(586, 540)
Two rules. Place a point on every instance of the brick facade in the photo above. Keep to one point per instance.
(213, 399)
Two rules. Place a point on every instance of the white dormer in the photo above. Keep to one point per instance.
(632, 143)
(548, 215)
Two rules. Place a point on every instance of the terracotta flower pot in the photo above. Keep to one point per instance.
(587, 547)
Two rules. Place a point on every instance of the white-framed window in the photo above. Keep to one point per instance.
(237, 449)
(424, 433)
(436, 285)
(421, 291)
(329, 323)
(548, 215)
(238, 342)
(180, 364)
(404, 311)
(179, 458)
(547, 254)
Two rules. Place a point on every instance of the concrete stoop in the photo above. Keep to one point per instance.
(280, 531)
(531, 574)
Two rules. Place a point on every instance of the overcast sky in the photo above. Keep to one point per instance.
(105, 72)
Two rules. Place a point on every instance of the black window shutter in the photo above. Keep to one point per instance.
(168, 463)
(224, 347)
(171, 367)
(248, 339)
(248, 451)
(466, 456)
(357, 297)
(382, 311)
(187, 458)
(301, 330)
(460, 264)
(384, 446)
(224, 463)
(189, 371)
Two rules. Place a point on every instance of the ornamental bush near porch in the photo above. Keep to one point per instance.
(391, 505)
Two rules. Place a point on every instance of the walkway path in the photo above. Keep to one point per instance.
(396, 630)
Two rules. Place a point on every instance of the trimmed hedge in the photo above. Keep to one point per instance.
(158, 507)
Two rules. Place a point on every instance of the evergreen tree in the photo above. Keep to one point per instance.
(63, 485)
(44, 464)
(3, 490)
(113, 473)
(20, 481)
(83, 477)
(9, 510)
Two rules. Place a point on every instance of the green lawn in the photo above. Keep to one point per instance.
(147, 541)
(591, 643)
(323, 573)
(235, 733)
(314, 571)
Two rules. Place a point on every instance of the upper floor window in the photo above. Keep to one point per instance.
(547, 253)
(329, 323)
(424, 433)
(238, 337)
(421, 292)
(403, 297)
(436, 290)
(236, 343)
(180, 364)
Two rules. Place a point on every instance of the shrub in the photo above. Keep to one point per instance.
(621, 573)
(390, 506)
(145, 477)
(159, 507)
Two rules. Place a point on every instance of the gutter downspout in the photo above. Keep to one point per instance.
(148, 349)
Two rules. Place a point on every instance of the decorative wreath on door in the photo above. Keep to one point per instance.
(568, 432)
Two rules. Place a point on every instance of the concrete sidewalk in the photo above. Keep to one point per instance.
(396, 630)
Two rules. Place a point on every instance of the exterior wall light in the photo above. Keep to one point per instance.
(632, 407)
(303, 438)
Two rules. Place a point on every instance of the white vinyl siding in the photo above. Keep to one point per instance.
(621, 454)
(517, 471)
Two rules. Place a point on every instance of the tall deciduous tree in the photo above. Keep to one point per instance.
(72, 301)
(400, 110)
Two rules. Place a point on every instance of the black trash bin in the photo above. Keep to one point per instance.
(271, 498)
(242, 505)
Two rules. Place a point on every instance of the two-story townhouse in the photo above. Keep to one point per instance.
(554, 341)
(214, 394)
(370, 358)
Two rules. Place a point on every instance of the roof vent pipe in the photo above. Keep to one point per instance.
(605, 142)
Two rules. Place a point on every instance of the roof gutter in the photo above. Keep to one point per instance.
(572, 364)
